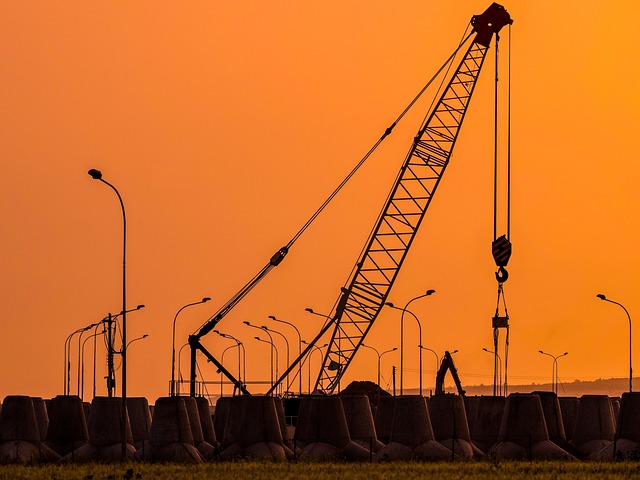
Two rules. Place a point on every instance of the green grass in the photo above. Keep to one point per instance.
(334, 471)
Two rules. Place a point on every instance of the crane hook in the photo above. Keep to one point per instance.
(502, 275)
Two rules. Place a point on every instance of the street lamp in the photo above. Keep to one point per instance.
(403, 310)
(173, 344)
(266, 329)
(273, 347)
(380, 357)
(435, 354)
(602, 297)
(67, 361)
(272, 317)
(554, 369)
(241, 349)
(499, 371)
(309, 358)
(97, 175)
(237, 345)
(136, 339)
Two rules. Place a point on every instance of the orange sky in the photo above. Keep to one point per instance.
(224, 125)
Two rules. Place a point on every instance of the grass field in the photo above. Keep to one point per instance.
(335, 471)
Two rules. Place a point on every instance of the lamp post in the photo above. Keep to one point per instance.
(309, 358)
(554, 369)
(603, 297)
(237, 345)
(173, 344)
(327, 318)
(268, 330)
(97, 175)
(403, 310)
(136, 339)
(495, 354)
(67, 361)
(243, 374)
(435, 355)
(380, 357)
(273, 346)
(272, 317)
(111, 351)
(94, 334)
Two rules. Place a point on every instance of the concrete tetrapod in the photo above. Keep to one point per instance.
(220, 415)
(471, 405)
(626, 443)
(170, 435)
(523, 431)
(555, 424)
(410, 432)
(357, 411)
(450, 427)
(67, 425)
(20, 437)
(253, 430)
(140, 420)
(486, 428)
(322, 432)
(105, 434)
(569, 408)
(594, 429)
(207, 451)
(206, 421)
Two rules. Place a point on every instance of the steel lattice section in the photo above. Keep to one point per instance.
(402, 214)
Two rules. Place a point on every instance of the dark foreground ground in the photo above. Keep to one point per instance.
(333, 471)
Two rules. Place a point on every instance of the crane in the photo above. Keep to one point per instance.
(367, 289)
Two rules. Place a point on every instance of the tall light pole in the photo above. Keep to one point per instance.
(380, 357)
(273, 346)
(97, 175)
(554, 369)
(499, 386)
(403, 310)
(266, 329)
(243, 374)
(272, 317)
(173, 344)
(315, 347)
(67, 361)
(603, 297)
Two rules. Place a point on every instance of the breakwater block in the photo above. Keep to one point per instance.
(486, 428)
(253, 430)
(67, 424)
(362, 430)
(322, 431)
(594, 429)
(523, 431)
(170, 435)
(450, 427)
(410, 432)
(569, 409)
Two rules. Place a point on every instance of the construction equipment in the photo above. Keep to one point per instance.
(367, 288)
(447, 365)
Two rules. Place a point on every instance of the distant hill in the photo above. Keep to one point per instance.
(613, 387)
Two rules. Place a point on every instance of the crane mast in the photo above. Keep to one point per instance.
(420, 174)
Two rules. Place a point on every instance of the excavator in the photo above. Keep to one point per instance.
(367, 288)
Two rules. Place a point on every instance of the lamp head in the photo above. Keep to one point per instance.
(455, 351)
(601, 296)
(139, 307)
(264, 327)
(206, 299)
(95, 174)
(394, 349)
(310, 310)
(217, 331)
(430, 292)
(246, 323)
(566, 353)
(145, 335)
(272, 317)
(258, 338)
(485, 349)
(389, 304)
(540, 351)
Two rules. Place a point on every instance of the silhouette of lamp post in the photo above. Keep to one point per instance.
(380, 357)
(308, 358)
(270, 330)
(603, 297)
(272, 317)
(499, 369)
(554, 369)
(273, 346)
(403, 310)
(173, 344)
(97, 175)
(241, 375)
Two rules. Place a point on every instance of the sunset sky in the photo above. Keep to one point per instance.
(225, 125)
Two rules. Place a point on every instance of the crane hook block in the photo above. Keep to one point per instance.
(501, 250)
